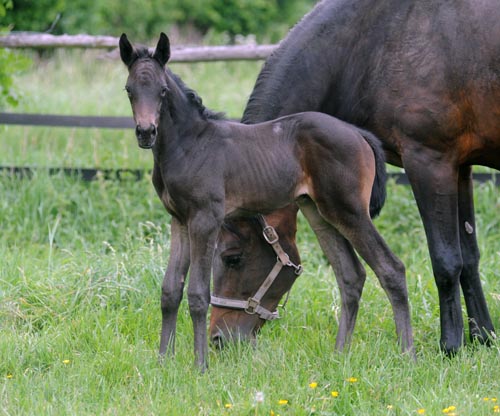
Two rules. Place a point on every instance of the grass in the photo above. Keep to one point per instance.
(88, 83)
(81, 266)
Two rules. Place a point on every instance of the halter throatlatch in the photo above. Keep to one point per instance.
(252, 305)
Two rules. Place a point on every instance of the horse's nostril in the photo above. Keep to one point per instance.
(149, 131)
(218, 341)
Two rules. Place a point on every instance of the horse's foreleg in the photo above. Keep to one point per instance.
(203, 232)
(436, 191)
(349, 272)
(173, 284)
(434, 185)
(480, 325)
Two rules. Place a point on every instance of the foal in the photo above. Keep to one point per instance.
(207, 168)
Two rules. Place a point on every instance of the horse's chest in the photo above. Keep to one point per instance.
(169, 197)
(169, 203)
(183, 194)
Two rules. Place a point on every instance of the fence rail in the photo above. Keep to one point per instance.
(67, 121)
(89, 174)
(179, 54)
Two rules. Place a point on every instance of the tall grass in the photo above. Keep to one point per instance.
(81, 266)
(89, 83)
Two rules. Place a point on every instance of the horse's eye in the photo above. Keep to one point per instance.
(127, 89)
(232, 261)
(163, 91)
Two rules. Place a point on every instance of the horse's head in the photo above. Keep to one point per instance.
(146, 86)
(242, 262)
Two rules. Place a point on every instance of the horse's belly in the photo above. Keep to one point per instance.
(258, 200)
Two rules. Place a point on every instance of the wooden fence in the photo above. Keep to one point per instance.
(183, 54)
(47, 41)
(179, 54)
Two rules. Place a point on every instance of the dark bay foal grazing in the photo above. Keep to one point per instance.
(422, 75)
(207, 169)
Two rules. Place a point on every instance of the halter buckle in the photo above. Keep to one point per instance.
(252, 305)
(270, 234)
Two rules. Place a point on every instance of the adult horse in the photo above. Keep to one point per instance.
(424, 76)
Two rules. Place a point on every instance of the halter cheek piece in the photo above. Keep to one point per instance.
(252, 305)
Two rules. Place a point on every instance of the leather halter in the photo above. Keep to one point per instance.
(252, 304)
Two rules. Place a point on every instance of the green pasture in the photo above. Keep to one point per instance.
(81, 266)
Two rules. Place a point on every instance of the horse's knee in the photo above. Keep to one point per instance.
(447, 271)
(198, 303)
(170, 300)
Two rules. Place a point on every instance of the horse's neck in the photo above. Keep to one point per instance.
(280, 90)
(302, 74)
(178, 131)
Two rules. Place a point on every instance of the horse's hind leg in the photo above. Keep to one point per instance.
(390, 271)
(480, 325)
(355, 225)
(173, 285)
(349, 272)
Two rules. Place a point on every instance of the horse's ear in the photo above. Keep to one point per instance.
(127, 52)
(162, 51)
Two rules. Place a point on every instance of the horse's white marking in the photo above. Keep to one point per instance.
(469, 229)
(277, 129)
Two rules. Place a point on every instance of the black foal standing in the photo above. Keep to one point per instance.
(207, 168)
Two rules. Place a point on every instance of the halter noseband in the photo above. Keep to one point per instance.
(252, 305)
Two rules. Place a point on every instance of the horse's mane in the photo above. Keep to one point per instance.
(282, 61)
(192, 96)
(195, 100)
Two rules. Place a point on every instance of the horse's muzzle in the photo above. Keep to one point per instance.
(146, 137)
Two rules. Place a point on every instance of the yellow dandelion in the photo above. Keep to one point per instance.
(228, 405)
(486, 399)
(421, 411)
(352, 380)
(282, 402)
(313, 385)
(335, 393)
(449, 410)
(493, 399)
(390, 407)
(496, 409)
(66, 361)
(9, 376)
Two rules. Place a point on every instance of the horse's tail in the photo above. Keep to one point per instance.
(378, 196)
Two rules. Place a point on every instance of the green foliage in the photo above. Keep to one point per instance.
(10, 64)
(145, 19)
(4, 6)
(232, 16)
(38, 16)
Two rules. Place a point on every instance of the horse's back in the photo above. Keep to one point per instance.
(427, 71)
(429, 68)
(438, 79)
(323, 131)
